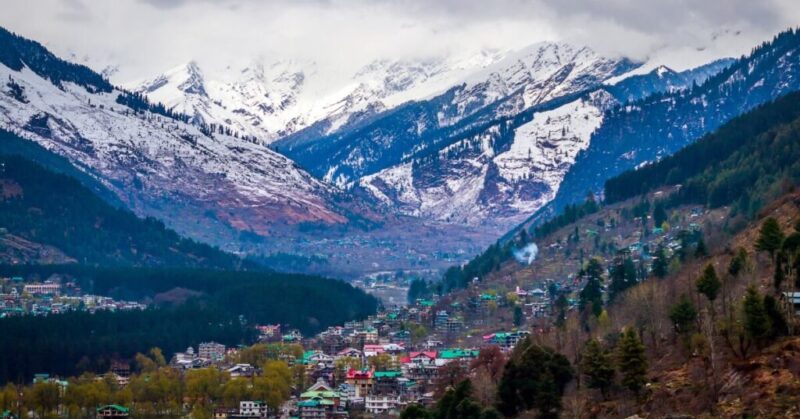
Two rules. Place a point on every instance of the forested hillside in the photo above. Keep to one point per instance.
(667, 299)
(748, 162)
(190, 306)
(657, 126)
(56, 210)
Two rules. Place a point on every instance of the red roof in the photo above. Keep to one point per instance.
(359, 374)
(429, 354)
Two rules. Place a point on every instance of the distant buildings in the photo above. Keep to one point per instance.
(211, 351)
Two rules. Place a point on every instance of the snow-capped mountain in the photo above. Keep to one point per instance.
(158, 165)
(494, 148)
(269, 101)
(498, 175)
(522, 80)
(660, 125)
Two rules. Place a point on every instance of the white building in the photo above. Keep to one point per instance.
(253, 409)
(380, 404)
(212, 351)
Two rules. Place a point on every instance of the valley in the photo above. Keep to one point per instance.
(549, 230)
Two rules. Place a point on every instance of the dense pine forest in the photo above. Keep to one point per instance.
(190, 306)
(747, 162)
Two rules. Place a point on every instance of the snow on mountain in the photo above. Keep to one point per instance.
(534, 76)
(658, 126)
(480, 180)
(160, 166)
(516, 161)
(272, 101)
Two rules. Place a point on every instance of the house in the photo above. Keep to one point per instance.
(211, 351)
(505, 340)
(377, 405)
(112, 411)
(242, 370)
(386, 382)
(350, 353)
(321, 401)
(422, 358)
(361, 380)
(269, 332)
(373, 350)
(792, 300)
(252, 409)
(456, 354)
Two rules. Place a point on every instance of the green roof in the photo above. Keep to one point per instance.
(314, 402)
(457, 353)
(488, 297)
(387, 374)
(320, 395)
(426, 303)
(392, 315)
(114, 406)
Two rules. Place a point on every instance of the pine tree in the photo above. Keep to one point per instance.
(683, 315)
(757, 324)
(597, 367)
(700, 250)
(708, 283)
(660, 264)
(659, 214)
(518, 316)
(534, 378)
(631, 361)
(770, 237)
(738, 263)
(623, 276)
(592, 293)
(780, 275)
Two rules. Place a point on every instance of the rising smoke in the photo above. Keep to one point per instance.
(527, 254)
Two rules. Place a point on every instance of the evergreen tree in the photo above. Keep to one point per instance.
(780, 275)
(623, 276)
(757, 324)
(708, 283)
(518, 316)
(631, 361)
(659, 214)
(738, 263)
(770, 237)
(700, 250)
(775, 314)
(592, 294)
(683, 315)
(561, 306)
(534, 378)
(660, 264)
(596, 365)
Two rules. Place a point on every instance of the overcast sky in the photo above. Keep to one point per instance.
(145, 37)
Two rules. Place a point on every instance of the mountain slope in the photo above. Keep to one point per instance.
(209, 185)
(512, 166)
(40, 208)
(531, 77)
(660, 125)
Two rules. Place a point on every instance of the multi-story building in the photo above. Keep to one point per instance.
(52, 288)
(361, 380)
(377, 405)
(211, 351)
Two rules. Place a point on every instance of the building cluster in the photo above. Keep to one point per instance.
(53, 296)
(390, 360)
